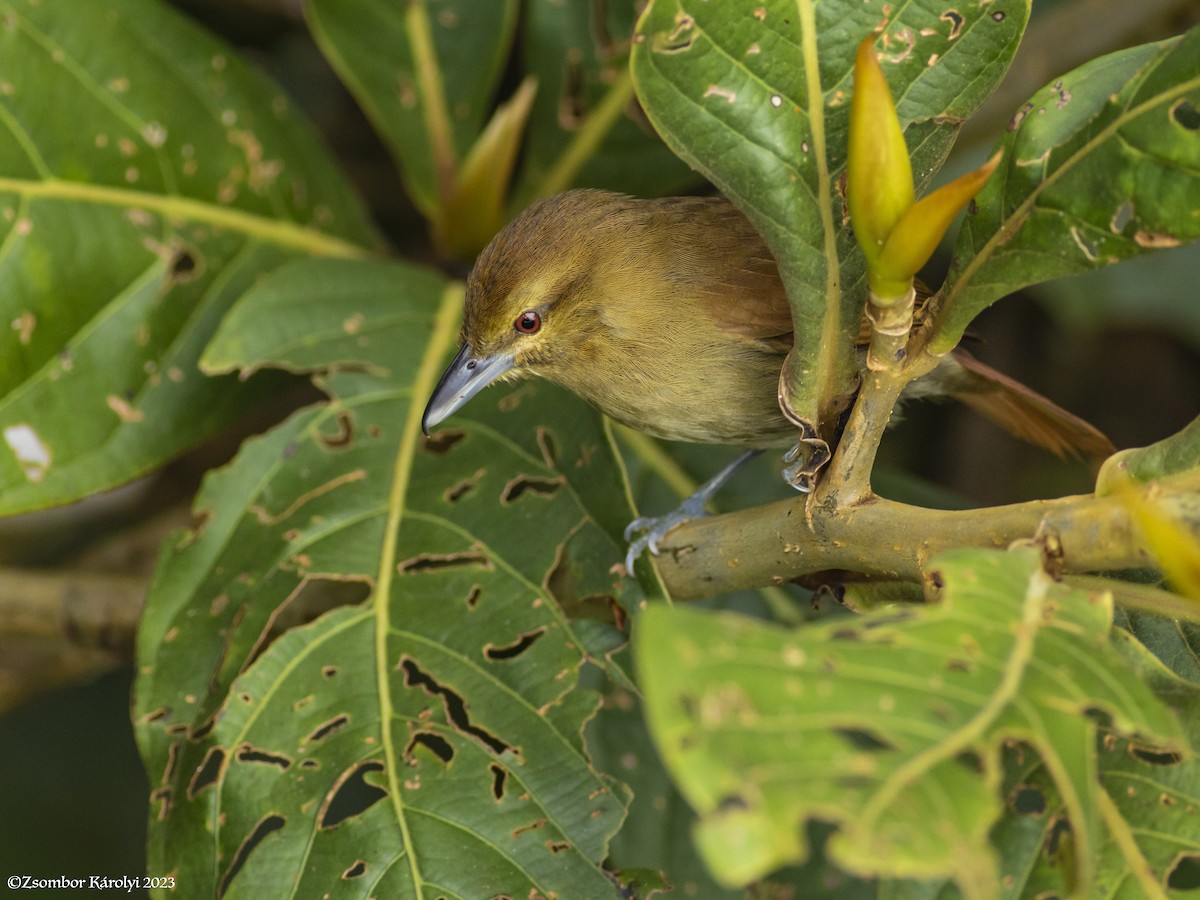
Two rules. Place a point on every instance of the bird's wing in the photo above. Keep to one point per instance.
(734, 272)
(749, 301)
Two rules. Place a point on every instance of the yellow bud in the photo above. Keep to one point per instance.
(879, 183)
(474, 210)
(919, 230)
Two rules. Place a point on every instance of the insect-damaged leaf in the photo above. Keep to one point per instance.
(764, 729)
(147, 177)
(437, 722)
(1100, 165)
(1149, 797)
(579, 54)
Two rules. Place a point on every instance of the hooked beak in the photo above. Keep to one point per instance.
(465, 377)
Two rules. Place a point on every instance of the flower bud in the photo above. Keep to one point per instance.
(897, 236)
(879, 182)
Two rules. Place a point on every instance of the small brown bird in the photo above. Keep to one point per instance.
(669, 315)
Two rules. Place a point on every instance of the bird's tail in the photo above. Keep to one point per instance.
(1021, 411)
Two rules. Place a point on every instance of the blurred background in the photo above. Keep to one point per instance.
(1119, 347)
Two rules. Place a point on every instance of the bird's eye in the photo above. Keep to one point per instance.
(528, 322)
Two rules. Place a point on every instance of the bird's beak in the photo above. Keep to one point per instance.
(465, 377)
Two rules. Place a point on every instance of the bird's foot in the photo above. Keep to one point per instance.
(652, 529)
(655, 528)
(804, 462)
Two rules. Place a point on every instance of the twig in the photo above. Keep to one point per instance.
(85, 610)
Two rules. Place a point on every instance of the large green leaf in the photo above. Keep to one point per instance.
(147, 177)
(756, 96)
(891, 726)
(657, 832)
(424, 71)
(428, 740)
(1101, 165)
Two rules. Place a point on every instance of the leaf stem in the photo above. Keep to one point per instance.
(658, 460)
(830, 377)
(1142, 597)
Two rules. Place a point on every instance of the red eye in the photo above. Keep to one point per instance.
(528, 322)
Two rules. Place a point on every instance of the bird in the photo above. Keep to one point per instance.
(669, 315)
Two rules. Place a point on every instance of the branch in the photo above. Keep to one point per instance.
(878, 538)
(89, 610)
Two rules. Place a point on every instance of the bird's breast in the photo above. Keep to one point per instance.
(682, 383)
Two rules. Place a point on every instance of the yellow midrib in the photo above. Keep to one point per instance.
(831, 349)
(274, 231)
(445, 329)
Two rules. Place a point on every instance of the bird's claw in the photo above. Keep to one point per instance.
(635, 550)
(804, 462)
(655, 528)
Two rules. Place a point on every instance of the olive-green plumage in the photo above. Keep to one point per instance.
(669, 316)
(653, 311)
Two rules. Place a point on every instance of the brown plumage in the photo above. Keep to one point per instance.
(669, 315)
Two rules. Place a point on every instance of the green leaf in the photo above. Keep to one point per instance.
(582, 131)
(656, 832)
(424, 72)
(428, 740)
(891, 726)
(147, 177)
(1175, 643)
(1148, 799)
(1099, 166)
(756, 97)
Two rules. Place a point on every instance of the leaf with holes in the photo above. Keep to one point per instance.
(425, 77)
(583, 129)
(1147, 797)
(657, 832)
(1101, 165)
(147, 177)
(1176, 643)
(890, 726)
(756, 96)
(378, 748)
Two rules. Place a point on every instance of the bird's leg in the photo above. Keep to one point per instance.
(655, 528)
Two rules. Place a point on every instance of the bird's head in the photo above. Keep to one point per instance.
(529, 298)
